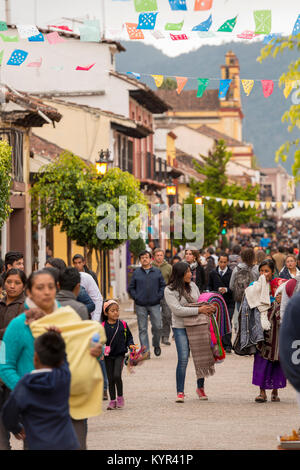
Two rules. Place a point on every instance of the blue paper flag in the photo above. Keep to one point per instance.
(204, 26)
(224, 85)
(269, 37)
(136, 75)
(178, 4)
(37, 38)
(147, 20)
(296, 29)
(17, 57)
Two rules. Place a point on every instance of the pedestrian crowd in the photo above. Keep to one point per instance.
(63, 347)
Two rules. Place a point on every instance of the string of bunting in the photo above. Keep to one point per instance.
(265, 205)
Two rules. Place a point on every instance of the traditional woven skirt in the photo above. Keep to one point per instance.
(267, 374)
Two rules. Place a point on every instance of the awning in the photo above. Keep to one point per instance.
(138, 132)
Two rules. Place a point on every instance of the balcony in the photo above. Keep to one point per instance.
(15, 140)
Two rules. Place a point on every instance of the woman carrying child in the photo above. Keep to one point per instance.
(119, 339)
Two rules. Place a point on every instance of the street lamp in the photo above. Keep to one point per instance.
(199, 200)
(102, 163)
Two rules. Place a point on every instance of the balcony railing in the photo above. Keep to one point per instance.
(15, 140)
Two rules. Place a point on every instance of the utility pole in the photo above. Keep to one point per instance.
(7, 12)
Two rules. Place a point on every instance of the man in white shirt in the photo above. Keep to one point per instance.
(87, 281)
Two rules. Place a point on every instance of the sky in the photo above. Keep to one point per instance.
(113, 14)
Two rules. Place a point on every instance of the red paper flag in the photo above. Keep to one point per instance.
(63, 28)
(268, 86)
(88, 67)
(203, 5)
(178, 37)
(133, 32)
(181, 82)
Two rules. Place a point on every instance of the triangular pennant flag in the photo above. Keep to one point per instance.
(247, 86)
(218, 199)
(267, 86)
(207, 197)
(263, 21)
(252, 204)
(201, 5)
(159, 79)
(9, 38)
(3, 26)
(263, 205)
(54, 38)
(147, 20)
(136, 75)
(296, 204)
(290, 205)
(145, 5)
(229, 201)
(289, 85)
(273, 204)
(17, 57)
(133, 32)
(296, 29)
(224, 86)
(228, 25)
(38, 38)
(204, 26)
(87, 67)
(181, 82)
(268, 205)
(284, 205)
(202, 85)
(278, 204)
(178, 4)
(247, 204)
(257, 204)
(174, 26)
(178, 37)
(36, 63)
(235, 203)
(224, 202)
(241, 203)
(246, 35)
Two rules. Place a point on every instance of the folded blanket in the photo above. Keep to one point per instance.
(87, 380)
(258, 296)
(221, 315)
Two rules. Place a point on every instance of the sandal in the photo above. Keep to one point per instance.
(261, 399)
(275, 398)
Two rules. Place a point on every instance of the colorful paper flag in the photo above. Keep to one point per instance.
(1, 56)
(17, 57)
(228, 25)
(247, 85)
(202, 85)
(136, 75)
(54, 38)
(269, 37)
(206, 34)
(181, 82)
(159, 79)
(246, 35)
(174, 26)
(145, 5)
(62, 28)
(263, 21)
(38, 38)
(36, 64)
(133, 32)
(3, 26)
(224, 86)
(201, 5)
(89, 33)
(296, 29)
(178, 4)
(289, 85)
(267, 86)
(178, 37)
(27, 30)
(9, 38)
(204, 26)
(87, 67)
(157, 34)
(147, 20)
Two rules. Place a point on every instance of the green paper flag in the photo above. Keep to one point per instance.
(145, 5)
(1, 56)
(174, 26)
(9, 38)
(263, 21)
(202, 85)
(3, 26)
(228, 25)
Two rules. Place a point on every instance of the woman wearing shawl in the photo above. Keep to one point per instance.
(264, 295)
(190, 324)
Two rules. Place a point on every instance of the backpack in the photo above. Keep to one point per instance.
(243, 279)
(124, 324)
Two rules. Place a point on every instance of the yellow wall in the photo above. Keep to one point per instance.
(171, 148)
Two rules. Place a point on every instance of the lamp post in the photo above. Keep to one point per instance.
(102, 163)
(171, 193)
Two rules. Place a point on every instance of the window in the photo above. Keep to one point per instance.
(15, 140)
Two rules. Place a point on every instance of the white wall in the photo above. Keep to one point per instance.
(192, 142)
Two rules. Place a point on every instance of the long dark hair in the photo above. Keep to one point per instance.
(176, 281)
(269, 263)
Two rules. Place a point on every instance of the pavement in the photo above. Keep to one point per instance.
(229, 420)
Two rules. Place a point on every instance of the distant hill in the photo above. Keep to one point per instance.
(262, 122)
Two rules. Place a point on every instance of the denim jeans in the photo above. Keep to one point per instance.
(155, 318)
(105, 379)
(183, 352)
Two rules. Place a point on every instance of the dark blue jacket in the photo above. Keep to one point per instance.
(85, 299)
(40, 401)
(119, 343)
(147, 289)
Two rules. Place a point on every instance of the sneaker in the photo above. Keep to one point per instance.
(201, 394)
(120, 402)
(165, 341)
(105, 395)
(112, 405)
(180, 398)
(157, 351)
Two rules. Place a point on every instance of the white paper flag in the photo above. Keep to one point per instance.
(27, 30)
(252, 204)
(241, 203)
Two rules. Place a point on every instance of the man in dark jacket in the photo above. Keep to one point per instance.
(147, 289)
(69, 284)
(219, 280)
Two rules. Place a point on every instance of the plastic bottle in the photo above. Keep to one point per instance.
(95, 340)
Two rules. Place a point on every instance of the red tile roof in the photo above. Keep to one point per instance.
(210, 132)
(188, 101)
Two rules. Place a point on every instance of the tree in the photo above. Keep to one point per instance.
(169, 84)
(291, 81)
(68, 192)
(5, 180)
(136, 246)
(216, 185)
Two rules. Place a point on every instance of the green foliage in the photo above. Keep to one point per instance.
(292, 116)
(5, 180)
(69, 192)
(169, 84)
(136, 246)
